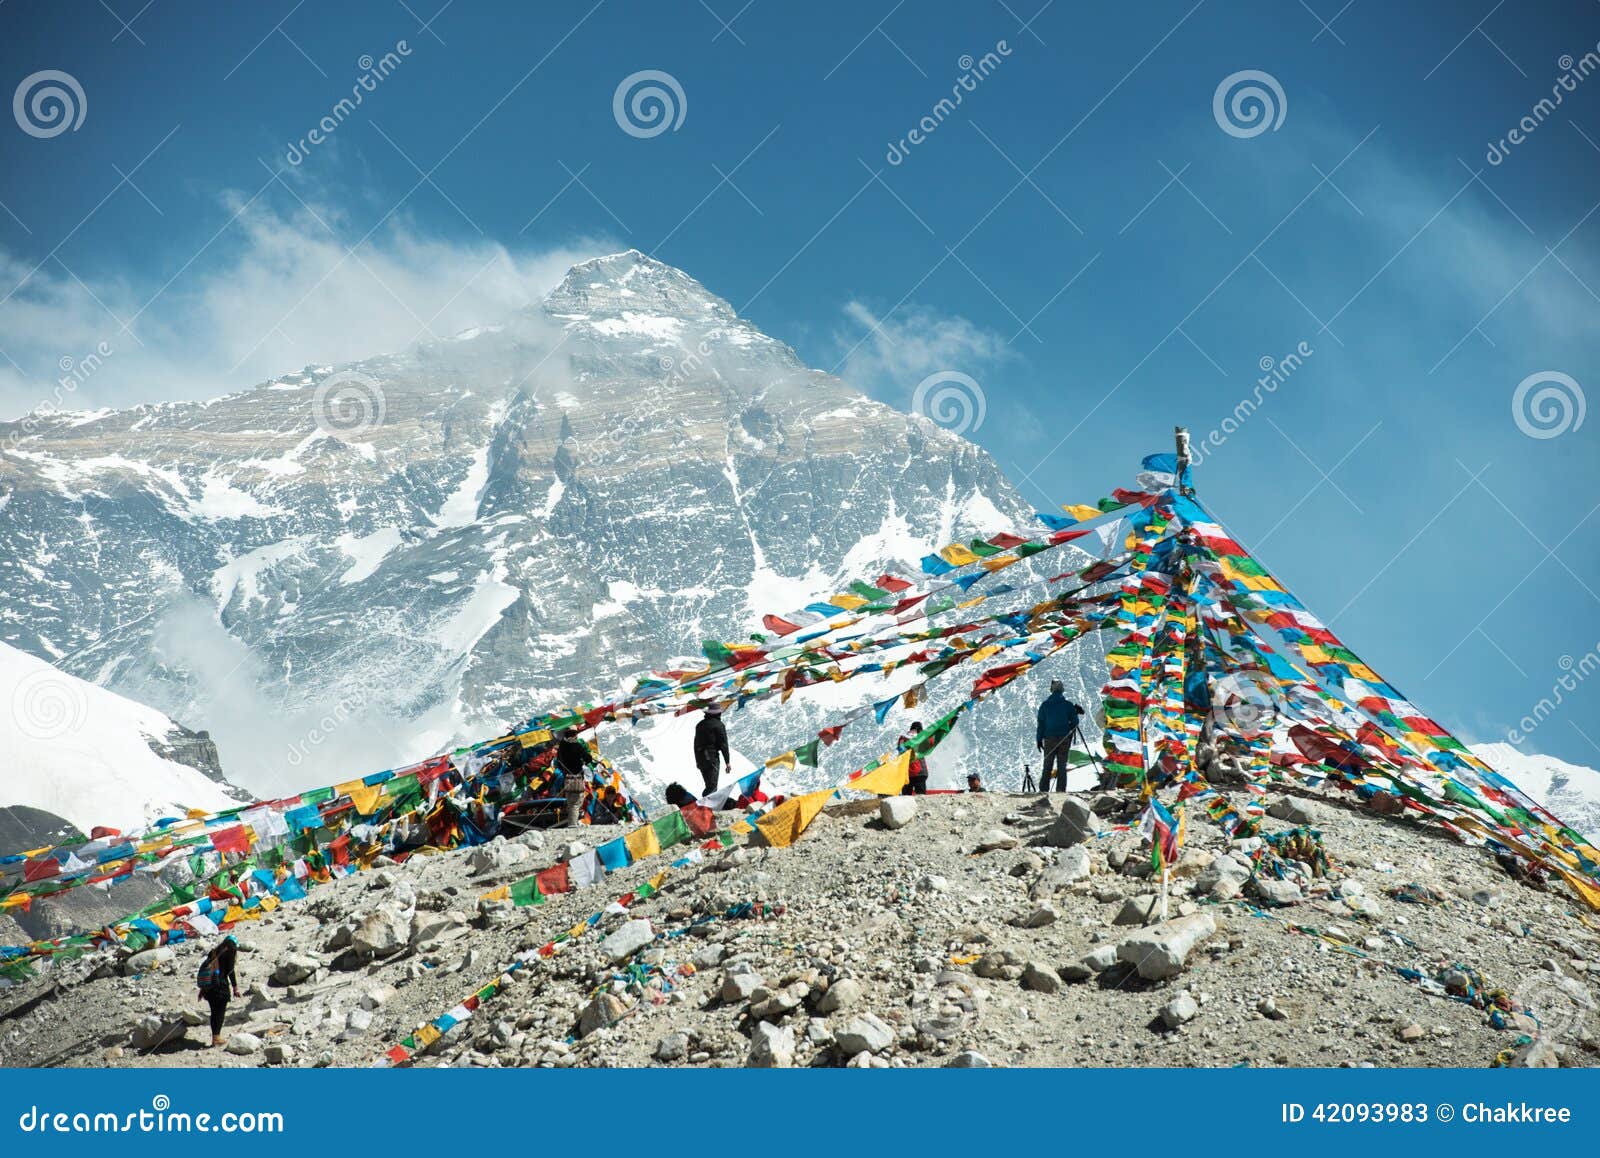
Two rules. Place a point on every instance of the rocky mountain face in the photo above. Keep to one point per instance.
(351, 567)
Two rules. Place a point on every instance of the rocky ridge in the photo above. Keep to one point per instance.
(957, 930)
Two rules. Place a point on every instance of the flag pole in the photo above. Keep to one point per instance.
(1180, 435)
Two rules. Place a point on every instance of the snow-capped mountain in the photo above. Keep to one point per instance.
(1571, 791)
(349, 568)
(73, 754)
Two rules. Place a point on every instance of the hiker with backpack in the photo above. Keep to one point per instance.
(1058, 723)
(216, 978)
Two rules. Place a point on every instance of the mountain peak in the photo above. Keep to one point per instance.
(634, 283)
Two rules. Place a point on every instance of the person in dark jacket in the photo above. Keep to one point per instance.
(917, 785)
(217, 976)
(678, 795)
(1058, 720)
(572, 755)
(711, 753)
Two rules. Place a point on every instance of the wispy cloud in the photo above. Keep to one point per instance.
(889, 355)
(280, 288)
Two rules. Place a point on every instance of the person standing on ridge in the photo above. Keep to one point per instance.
(917, 783)
(215, 978)
(1058, 722)
(711, 753)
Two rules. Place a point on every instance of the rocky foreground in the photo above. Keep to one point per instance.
(945, 931)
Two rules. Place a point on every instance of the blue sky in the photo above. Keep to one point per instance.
(1081, 236)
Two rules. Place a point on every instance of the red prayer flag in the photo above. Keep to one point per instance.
(232, 840)
(554, 880)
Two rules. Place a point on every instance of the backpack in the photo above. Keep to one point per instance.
(210, 975)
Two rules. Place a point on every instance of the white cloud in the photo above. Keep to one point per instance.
(278, 290)
(896, 352)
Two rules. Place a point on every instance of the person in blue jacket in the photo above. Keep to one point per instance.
(1058, 721)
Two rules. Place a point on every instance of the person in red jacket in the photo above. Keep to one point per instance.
(917, 785)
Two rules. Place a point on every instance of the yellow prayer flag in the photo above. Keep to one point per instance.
(503, 893)
(957, 555)
(783, 825)
(784, 761)
(1082, 511)
(999, 562)
(366, 798)
(888, 779)
(531, 739)
(642, 842)
(847, 602)
(348, 787)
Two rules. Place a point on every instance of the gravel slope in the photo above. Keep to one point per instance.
(915, 937)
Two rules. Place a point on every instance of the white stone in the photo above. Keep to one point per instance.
(896, 811)
(771, 1046)
(1161, 951)
(863, 1033)
(629, 938)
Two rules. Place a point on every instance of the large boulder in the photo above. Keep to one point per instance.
(498, 856)
(629, 938)
(147, 961)
(606, 1009)
(1073, 826)
(154, 1030)
(1223, 878)
(897, 811)
(1073, 866)
(864, 1033)
(385, 930)
(1161, 951)
(295, 968)
(771, 1046)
